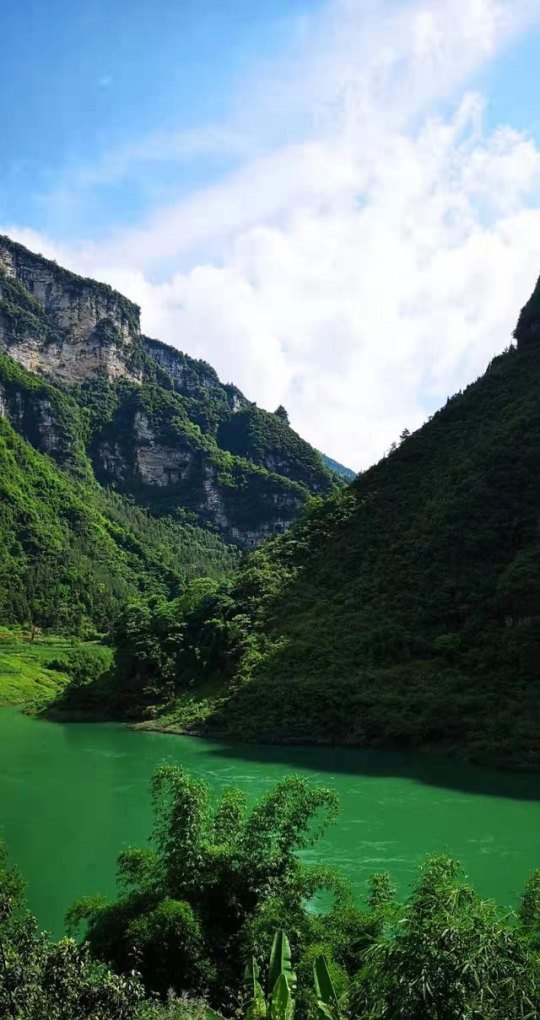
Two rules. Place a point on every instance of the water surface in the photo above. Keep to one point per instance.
(72, 796)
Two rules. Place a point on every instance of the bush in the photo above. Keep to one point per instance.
(84, 665)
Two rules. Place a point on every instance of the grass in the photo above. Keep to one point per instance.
(25, 678)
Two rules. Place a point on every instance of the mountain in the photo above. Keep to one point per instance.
(339, 469)
(71, 551)
(403, 612)
(125, 465)
(157, 425)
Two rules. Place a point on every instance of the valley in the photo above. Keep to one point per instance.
(281, 697)
(270, 510)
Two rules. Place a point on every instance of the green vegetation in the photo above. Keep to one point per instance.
(21, 315)
(202, 896)
(404, 610)
(25, 674)
(527, 331)
(36, 669)
(73, 284)
(177, 442)
(41, 980)
(111, 490)
(216, 913)
(45, 416)
(189, 376)
(278, 1002)
(401, 611)
(71, 553)
(131, 420)
(156, 443)
(268, 440)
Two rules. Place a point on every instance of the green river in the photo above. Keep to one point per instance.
(71, 796)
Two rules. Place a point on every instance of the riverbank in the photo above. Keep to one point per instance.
(431, 752)
(192, 724)
(68, 681)
(26, 676)
(36, 669)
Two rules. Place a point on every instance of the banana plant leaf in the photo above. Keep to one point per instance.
(327, 999)
(282, 1002)
(280, 962)
(257, 1007)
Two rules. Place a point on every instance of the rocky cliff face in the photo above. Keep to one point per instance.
(153, 422)
(192, 377)
(41, 415)
(36, 422)
(142, 457)
(57, 323)
(166, 470)
(188, 375)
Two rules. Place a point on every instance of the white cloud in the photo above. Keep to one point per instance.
(372, 254)
(139, 157)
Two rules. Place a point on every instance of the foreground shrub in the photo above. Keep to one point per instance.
(196, 920)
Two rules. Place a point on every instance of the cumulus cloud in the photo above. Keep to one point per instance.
(371, 250)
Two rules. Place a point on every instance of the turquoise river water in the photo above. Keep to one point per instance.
(72, 796)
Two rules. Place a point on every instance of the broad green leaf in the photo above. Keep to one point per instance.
(282, 1003)
(257, 1007)
(324, 987)
(280, 961)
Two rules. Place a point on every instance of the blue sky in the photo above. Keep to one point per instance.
(78, 80)
(336, 202)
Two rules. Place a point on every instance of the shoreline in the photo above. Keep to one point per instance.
(435, 753)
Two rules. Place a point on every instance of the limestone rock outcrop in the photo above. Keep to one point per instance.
(62, 325)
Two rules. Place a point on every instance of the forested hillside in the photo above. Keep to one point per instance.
(405, 611)
(339, 469)
(71, 553)
(126, 466)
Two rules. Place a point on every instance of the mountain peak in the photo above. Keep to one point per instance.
(61, 324)
(527, 331)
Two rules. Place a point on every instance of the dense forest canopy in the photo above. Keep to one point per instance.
(404, 610)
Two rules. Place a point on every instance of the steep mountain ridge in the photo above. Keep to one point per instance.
(192, 377)
(527, 331)
(405, 611)
(158, 425)
(340, 470)
(52, 320)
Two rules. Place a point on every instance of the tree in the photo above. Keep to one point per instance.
(452, 955)
(40, 980)
(280, 412)
(529, 908)
(191, 903)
